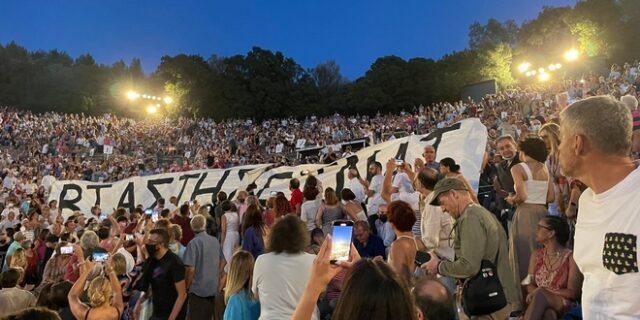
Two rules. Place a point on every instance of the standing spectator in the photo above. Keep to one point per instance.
(374, 188)
(550, 134)
(478, 236)
(429, 155)
(255, 231)
(230, 236)
(351, 207)
(402, 253)
(450, 169)
(18, 237)
(504, 180)
(164, 274)
(329, 211)
(13, 298)
(281, 206)
(104, 292)
(632, 103)
(310, 206)
(240, 300)
(241, 203)
(279, 276)
(182, 220)
(368, 245)
(596, 140)
(355, 185)
(534, 190)
(295, 203)
(218, 211)
(204, 262)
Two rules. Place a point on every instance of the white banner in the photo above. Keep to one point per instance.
(464, 141)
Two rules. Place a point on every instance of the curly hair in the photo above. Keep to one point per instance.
(289, 234)
(401, 215)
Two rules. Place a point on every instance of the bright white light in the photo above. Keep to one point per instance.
(558, 66)
(132, 95)
(152, 109)
(541, 70)
(168, 100)
(543, 77)
(524, 66)
(571, 55)
(552, 67)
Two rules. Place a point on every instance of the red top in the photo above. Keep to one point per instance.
(556, 278)
(296, 198)
(187, 232)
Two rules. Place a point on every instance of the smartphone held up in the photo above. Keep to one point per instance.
(341, 240)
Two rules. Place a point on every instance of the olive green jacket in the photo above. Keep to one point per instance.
(477, 237)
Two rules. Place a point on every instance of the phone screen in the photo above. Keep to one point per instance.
(100, 256)
(148, 211)
(66, 250)
(341, 240)
(154, 217)
(128, 237)
(103, 216)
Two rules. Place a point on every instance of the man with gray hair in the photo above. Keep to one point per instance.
(594, 148)
(204, 262)
(355, 185)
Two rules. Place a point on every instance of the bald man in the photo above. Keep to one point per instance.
(433, 301)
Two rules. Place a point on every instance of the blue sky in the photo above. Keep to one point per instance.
(354, 33)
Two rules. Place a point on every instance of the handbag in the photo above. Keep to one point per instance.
(483, 294)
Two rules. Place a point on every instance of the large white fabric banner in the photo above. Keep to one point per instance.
(464, 141)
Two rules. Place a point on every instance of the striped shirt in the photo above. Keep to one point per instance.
(636, 120)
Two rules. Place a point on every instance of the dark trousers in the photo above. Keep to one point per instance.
(201, 308)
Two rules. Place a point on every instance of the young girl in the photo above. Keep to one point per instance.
(241, 304)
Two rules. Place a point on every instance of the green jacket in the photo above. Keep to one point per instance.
(477, 237)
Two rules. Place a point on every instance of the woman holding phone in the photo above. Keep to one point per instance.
(102, 290)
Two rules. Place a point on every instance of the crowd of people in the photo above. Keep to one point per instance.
(551, 232)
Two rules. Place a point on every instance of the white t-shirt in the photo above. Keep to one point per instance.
(279, 280)
(606, 250)
(376, 200)
(358, 189)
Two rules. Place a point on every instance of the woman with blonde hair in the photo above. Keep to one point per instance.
(101, 292)
(241, 302)
(550, 134)
(329, 211)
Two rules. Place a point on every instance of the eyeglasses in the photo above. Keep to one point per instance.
(543, 227)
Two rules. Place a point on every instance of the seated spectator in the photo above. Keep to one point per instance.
(34, 314)
(255, 231)
(367, 244)
(317, 237)
(433, 301)
(240, 301)
(371, 290)
(58, 299)
(100, 293)
(280, 275)
(13, 298)
(554, 281)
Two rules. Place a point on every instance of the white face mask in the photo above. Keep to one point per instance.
(344, 202)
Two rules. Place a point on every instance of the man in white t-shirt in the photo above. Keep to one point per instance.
(594, 148)
(355, 185)
(401, 189)
(374, 188)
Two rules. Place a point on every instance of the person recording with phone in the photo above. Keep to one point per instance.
(104, 292)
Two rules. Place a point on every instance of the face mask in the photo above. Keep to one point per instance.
(241, 200)
(535, 127)
(344, 202)
(383, 218)
(151, 249)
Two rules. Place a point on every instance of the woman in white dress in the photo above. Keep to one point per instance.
(230, 235)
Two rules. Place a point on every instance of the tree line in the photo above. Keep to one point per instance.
(264, 84)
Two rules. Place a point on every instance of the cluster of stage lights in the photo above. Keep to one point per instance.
(153, 108)
(542, 73)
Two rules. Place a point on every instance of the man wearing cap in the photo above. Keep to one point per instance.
(477, 236)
